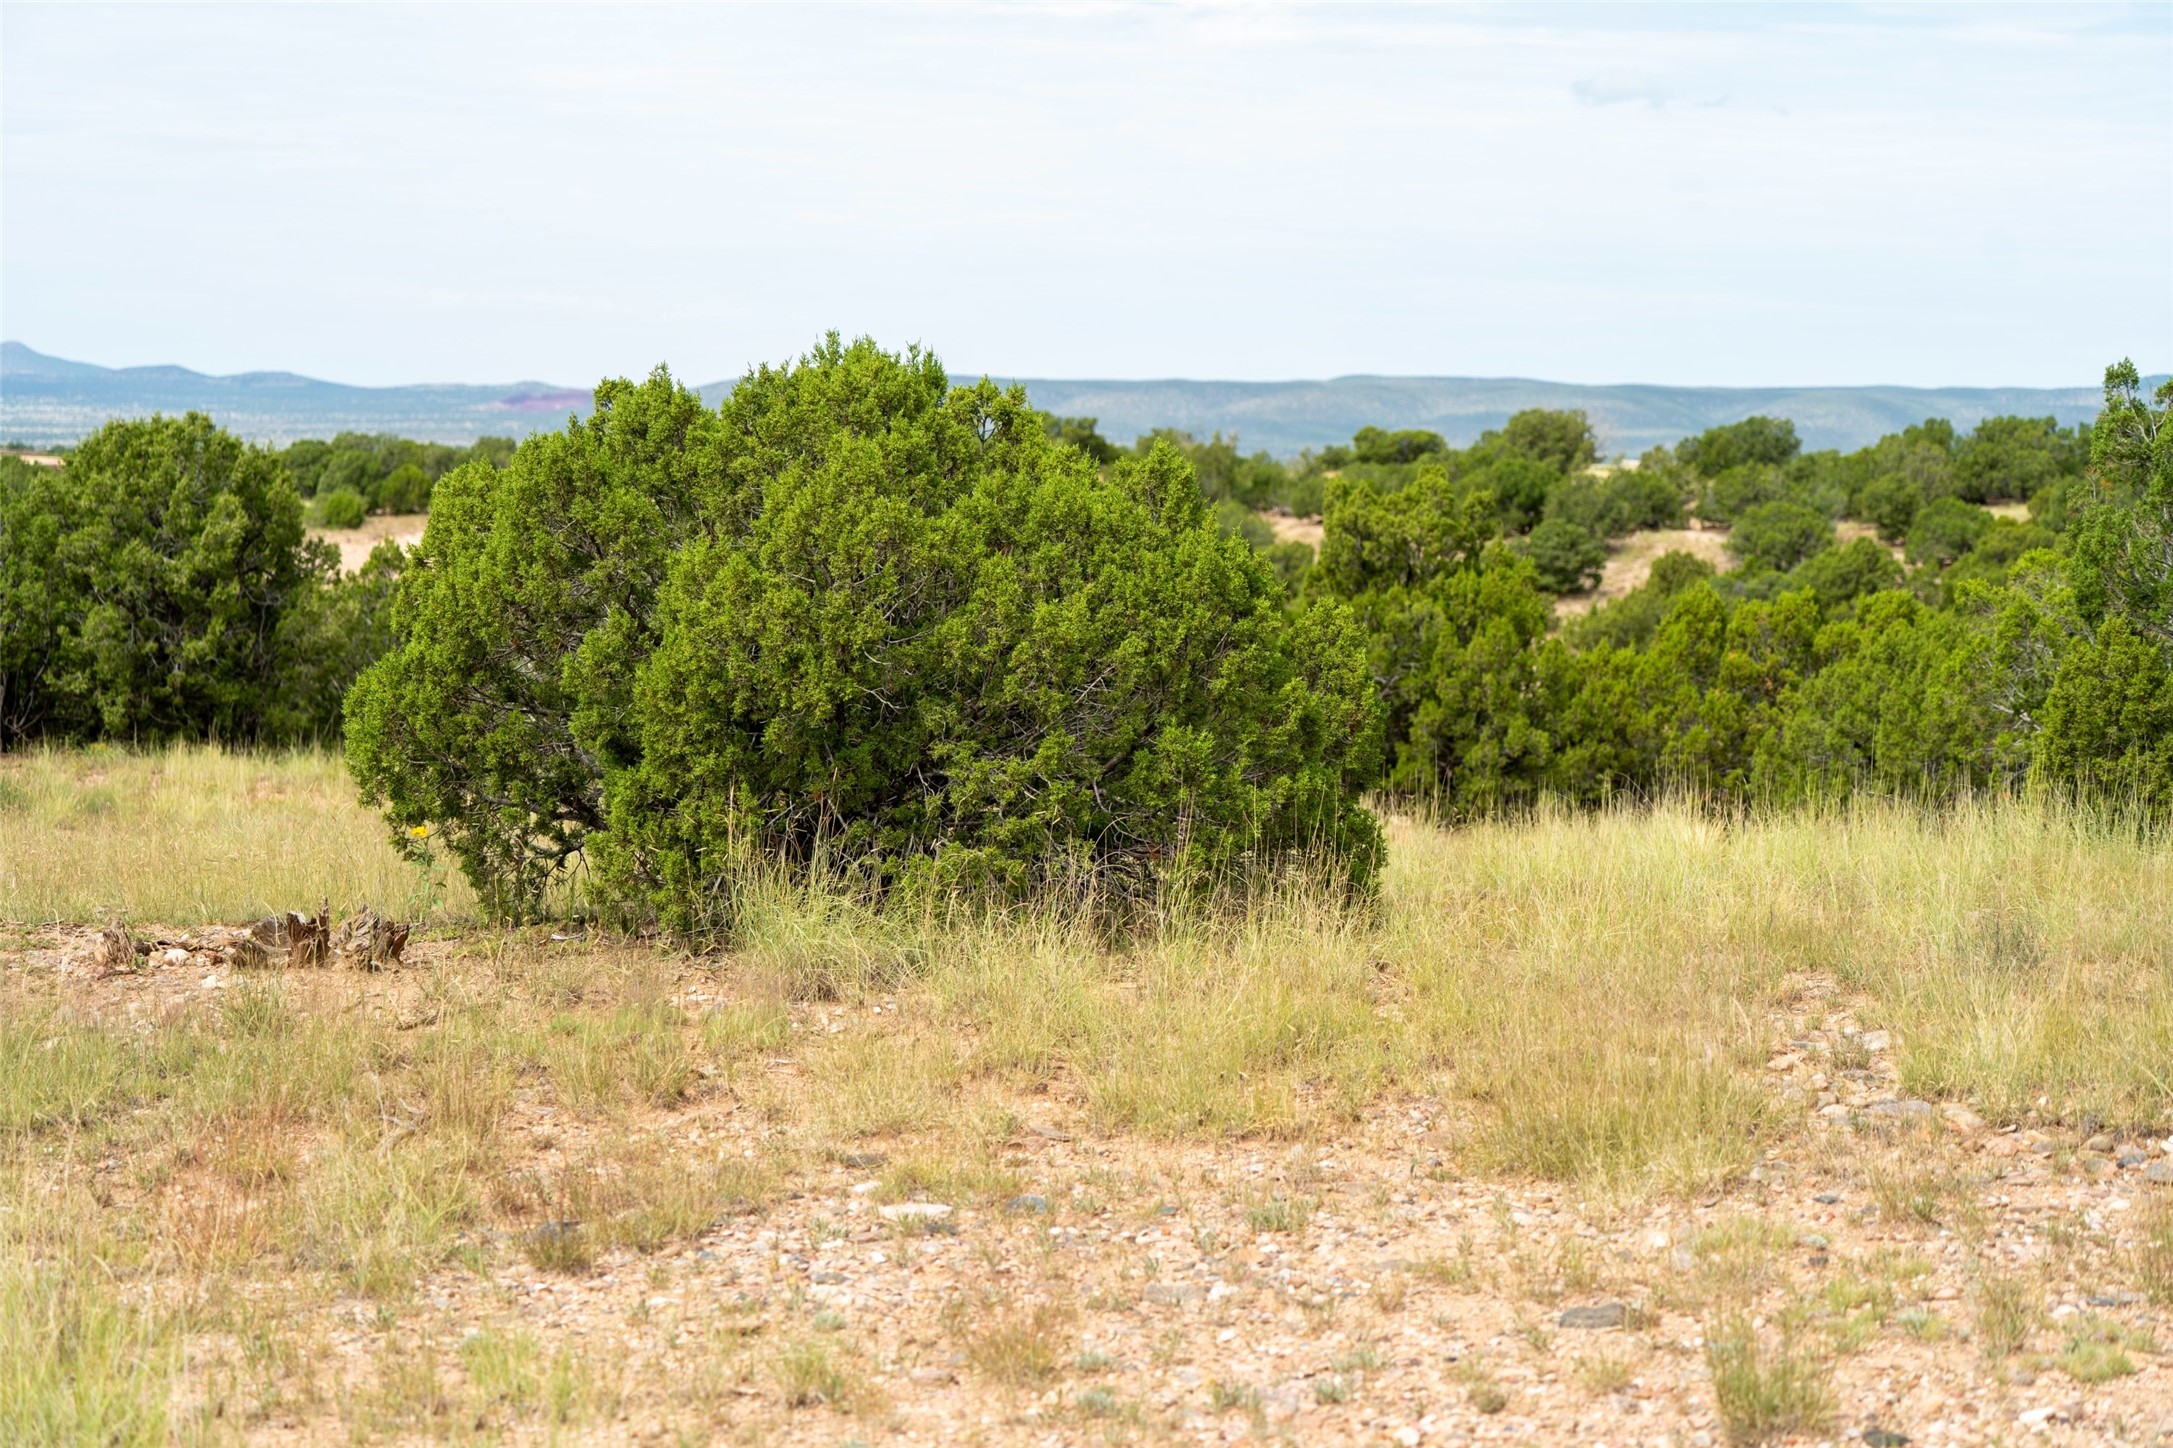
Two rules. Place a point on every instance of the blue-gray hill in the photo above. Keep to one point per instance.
(48, 400)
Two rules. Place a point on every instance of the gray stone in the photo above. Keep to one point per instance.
(910, 1212)
(1606, 1314)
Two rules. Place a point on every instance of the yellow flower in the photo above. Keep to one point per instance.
(420, 831)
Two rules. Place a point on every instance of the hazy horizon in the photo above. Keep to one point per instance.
(1940, 196)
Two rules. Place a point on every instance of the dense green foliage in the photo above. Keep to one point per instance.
(160, 586)
(1567, 556)
(857, 617)
(387, 474)
(2003, 650)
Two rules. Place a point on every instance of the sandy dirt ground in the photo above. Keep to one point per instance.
(355, 543)
(1290, 528)
(1629, 563)
(1364, 1288)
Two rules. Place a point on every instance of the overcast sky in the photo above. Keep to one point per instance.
(1710, 194)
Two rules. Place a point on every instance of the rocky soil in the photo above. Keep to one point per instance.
(1960, 1283)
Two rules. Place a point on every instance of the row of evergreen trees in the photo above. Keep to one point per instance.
(857, 614)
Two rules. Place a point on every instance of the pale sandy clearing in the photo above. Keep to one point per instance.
(1290, 528)
(355, 543)
(1629, 564)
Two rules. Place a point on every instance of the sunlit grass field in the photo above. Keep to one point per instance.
(1591, 999)
(190, 836)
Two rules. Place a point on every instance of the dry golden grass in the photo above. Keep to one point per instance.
(189, 836)
(1588, 999)
(1629, 563)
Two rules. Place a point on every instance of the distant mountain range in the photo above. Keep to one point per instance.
(46, 401)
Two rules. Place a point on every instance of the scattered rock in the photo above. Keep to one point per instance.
(2043, 1418)
(911, 1212)
(1961, 1118)
(1606, 1314)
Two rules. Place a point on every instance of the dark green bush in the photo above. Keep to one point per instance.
(2108, 714)
(1779, 535)
(405, 490)
(1622, 502)
(1903, 702)
(1562, 441)
(368, 464)
(1944, 530)
(531, 596)
(2014, 457)
(1452, 618)
(340, 508)
(1738, 490)
(1520, 486)
(145, 585)
(1839, 576)
(331, 634)
(2108, 720)
(1373, 445)
(1568, 558)
(1890, 504)
(1755, 442)
(857, 618)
